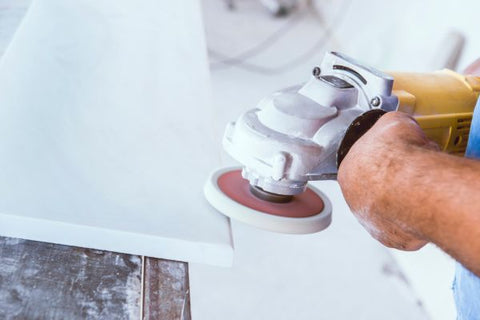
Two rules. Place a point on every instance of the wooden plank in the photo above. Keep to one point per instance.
(166, 290)
(48, 281)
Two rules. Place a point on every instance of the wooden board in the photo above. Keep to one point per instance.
(48, 281)
(166, 291)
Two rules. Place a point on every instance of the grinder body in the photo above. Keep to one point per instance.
(442, 102)
(303, 133)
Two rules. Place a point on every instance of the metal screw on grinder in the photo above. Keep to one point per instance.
(316, 72)
(269, 196)
(375, 102)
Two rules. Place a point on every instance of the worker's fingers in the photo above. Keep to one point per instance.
(473, 68)
(398, 238)
(402, 244)
(364, 173)
(433, 145)
(388, 233)
(399, 127)
(392, 130)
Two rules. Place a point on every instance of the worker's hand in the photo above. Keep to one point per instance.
(366, 175)
(473, 68)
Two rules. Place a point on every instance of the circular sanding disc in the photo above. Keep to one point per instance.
(228, 192)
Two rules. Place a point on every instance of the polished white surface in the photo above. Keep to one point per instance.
(105, 137)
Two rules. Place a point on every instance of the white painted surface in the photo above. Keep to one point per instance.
(105, 137)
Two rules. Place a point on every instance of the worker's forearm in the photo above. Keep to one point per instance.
(406, 193)
(440, 194)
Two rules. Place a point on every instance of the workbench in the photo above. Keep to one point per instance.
(48, 281)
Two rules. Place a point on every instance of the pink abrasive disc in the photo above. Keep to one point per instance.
(237, 188)
(229, 193)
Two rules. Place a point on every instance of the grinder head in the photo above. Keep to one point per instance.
(292, 137)
(231, 194)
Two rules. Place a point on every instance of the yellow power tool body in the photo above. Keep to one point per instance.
(442, 102)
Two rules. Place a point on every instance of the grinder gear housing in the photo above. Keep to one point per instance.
(293, 136)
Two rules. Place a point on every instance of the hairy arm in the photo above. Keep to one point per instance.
(406, 192)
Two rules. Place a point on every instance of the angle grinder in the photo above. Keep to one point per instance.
(303, 133)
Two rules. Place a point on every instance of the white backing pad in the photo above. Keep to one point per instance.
(262, 220)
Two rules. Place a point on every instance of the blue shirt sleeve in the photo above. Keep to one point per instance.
(473, 146)
(466, 286)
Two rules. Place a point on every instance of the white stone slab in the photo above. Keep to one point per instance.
(105, 137)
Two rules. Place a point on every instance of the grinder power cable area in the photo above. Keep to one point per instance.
(303, 133)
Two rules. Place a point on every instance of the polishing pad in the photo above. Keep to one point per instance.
(228, 192)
